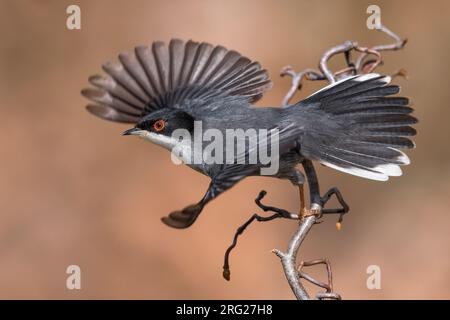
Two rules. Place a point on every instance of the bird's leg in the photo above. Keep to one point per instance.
(301, 194)
(319, 202)
(314, 210)
(279, 213)
(315, 199)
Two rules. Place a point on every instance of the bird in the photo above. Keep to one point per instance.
(357, 125)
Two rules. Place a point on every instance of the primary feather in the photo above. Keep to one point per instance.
(160, 76)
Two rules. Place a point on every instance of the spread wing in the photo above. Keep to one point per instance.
(160, 76)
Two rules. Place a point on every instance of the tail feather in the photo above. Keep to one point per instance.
(364, 95)
(376, 152)
(368, 121)
(379, 106)
(347, 86)
(401, 131)
(393, 142)
(359, 128)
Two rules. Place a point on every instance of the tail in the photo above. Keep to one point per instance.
(357, 127)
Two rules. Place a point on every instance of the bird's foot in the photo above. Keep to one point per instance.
(184, 218)
(315, 210)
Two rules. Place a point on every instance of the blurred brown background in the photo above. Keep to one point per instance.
(73, 191)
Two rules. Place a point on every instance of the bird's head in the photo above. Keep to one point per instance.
(159, 126)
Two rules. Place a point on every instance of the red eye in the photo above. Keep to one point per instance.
(159, 125)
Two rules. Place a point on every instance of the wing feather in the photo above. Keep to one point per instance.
(163, 76)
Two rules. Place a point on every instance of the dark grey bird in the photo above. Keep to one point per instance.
(355, 125)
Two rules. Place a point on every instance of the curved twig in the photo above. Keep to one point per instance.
(297, 78)
(347, 46)
(360, 66)
(397, 45)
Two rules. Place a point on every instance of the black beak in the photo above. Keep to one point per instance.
(130, 131)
